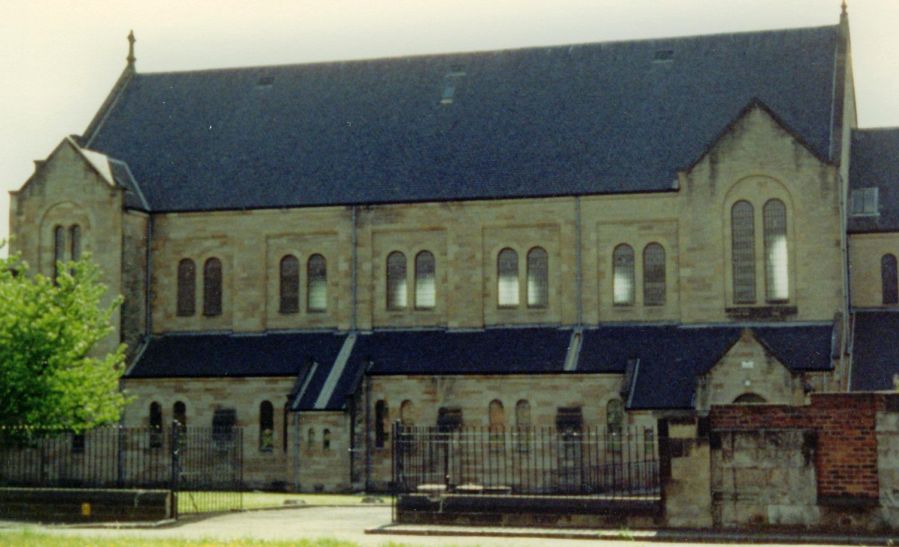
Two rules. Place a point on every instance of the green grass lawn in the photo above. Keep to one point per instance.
(31, 538)
(193, 502)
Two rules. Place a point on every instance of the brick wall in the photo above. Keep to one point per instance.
(845, 425)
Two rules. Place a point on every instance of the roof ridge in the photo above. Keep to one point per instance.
(452, 54)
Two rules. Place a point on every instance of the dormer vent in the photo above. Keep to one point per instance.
(663, 55)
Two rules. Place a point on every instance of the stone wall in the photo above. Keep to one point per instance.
(865, 253)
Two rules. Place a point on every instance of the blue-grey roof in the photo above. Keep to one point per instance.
(875, 163)
(581, 119)
(228, 355)
(491, 351)
(672, 357)
(875, 353)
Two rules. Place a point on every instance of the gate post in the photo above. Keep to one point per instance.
(176, 464)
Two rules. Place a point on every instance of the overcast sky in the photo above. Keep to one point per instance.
(59, 59)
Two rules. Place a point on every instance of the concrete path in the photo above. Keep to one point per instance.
(351, 523)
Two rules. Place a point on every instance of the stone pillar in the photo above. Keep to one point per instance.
(687, 492)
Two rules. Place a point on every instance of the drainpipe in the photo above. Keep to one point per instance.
(296, 453)
(577, 255)
(148, 319)
(353, 268)
(367, 389)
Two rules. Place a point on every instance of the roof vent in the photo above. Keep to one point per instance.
(663, 55)
(265, 81)
(450, 82)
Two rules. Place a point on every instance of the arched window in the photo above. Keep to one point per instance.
(654, 275)
(742, 219)
(407, 410)
(777, 272)
(614, 416)
(507, 278)
(623, 275)
(187, 282)
(289, 289)
(212, 287)
(522, 413)
(888, 279)
(310, 439)
(538, 278)
(155, 425)
(381, 424)
(396, 281)
(75, 242)
(316, 284)
(497, 415)
(749, 399)
(326, 439)
(179, 413)
(425, 284)
(266, 426)
(59, 249)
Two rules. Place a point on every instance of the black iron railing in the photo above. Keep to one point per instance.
(203, 464)
(527, 461)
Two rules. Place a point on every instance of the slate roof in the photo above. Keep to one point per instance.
(228, 355)
(491, 351)
(580, 119)
(875, 353)
(672, 357)
(875, 163)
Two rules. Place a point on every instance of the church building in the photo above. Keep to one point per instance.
(590, 235)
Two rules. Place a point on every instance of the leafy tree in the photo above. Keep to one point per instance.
(49, 377)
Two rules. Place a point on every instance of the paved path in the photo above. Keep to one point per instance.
(346, 523)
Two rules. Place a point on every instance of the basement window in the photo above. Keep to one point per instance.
(863, 202)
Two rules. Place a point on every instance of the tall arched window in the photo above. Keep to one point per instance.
(59, 249)
(888, 279)
(266, 426)
(538, 278)
(407, 411)
(614, 416)
(179, 413)
(523, 413)
(310, 439)
(777, 271)
(654, 275)
(623, 275)
(289, 288)
(326, 439)
(155, 425)
(507, 278)
(425, 284)
(743, 251)
(396, 281)
(316, 284)
(187, 282)
(381, 423)
(212, 287)
(496, 415)
(75, 242)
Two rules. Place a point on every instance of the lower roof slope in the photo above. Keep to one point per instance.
(875, 353)
(580, 119)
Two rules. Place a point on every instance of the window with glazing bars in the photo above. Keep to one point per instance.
(289, 285)
(316, 284)
(187, 282)
(425, 283)
(538, 278)
(777, 271)
(654, 275)
(743, 252)
(623, 275)
(507, 278)
(212, 287)
(396, 281)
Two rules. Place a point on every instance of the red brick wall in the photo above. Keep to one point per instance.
(846, 458)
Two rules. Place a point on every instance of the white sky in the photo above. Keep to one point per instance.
(59, 58)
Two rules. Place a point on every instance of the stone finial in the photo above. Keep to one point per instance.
(131, 58)
(843, 8)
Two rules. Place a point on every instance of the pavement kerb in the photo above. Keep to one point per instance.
(676, 536)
